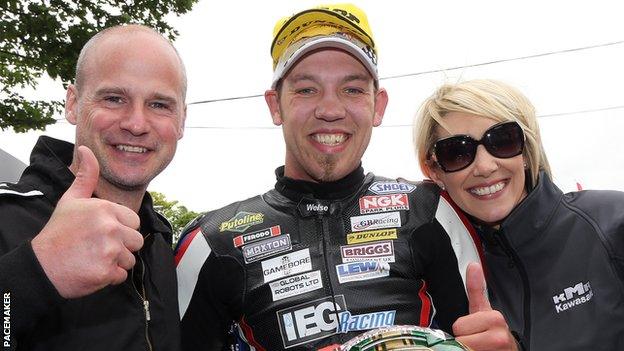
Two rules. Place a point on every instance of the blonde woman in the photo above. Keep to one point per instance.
(554, 261)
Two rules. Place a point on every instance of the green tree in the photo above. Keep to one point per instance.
(45, 36)
(178, 215)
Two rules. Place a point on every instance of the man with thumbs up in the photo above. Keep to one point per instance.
(85, 261)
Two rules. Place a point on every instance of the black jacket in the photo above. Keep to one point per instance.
(110, 319)
(308, 265)
(556, 269)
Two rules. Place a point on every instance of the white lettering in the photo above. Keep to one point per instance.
(383, 203)
(6, 321)
(317, 207)
(310, 321)
(305, 318)
(573, 296)
(289, 326)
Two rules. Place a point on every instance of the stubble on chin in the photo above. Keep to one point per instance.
(121, 181)
(328, 166)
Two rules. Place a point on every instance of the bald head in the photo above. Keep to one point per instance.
(124, 35)
(128, 107)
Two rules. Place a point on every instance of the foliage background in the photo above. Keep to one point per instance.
(178, 215)
(44, 37)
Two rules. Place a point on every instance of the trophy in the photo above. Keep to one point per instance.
(401, 338)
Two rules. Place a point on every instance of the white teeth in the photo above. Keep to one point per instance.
(129, 148)
(330, 139)
(487, 190)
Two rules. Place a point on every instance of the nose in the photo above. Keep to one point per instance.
(135, 120)
(329, 108)
(484, 163)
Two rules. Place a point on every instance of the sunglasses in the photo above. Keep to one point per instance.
(502, 140)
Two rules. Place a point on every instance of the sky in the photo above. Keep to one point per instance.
(231, 148)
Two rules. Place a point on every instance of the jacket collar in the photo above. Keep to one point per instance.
(152, 221)
(295, 189)
(531, 216)
(49, 172)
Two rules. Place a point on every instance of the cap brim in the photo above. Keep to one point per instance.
(323, 42)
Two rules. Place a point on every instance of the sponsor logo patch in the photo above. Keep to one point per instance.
(573, 296)
(354, 322)
(378, 251)
(309, 207)
(383, 203)
(255, 236)
(376, 221)
(391, 187)
(285, 265)
(296, 285)
(371, 235)
(241, 222)
(310, 321)
(268, 247)
(364, 270)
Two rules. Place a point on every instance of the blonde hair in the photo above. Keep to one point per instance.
(487, 98)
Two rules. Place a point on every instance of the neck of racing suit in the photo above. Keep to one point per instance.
(295, 189)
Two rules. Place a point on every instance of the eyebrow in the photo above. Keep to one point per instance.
(170, 99)
(111, 90)
(300, 77)
(346, 79)
(359, 77)
(121, 91)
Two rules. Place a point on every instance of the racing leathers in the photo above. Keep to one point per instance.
(139, 314)
(556, 269)
(307, 265)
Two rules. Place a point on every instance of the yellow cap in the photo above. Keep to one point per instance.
(343, 26)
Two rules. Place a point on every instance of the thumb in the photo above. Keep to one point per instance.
(87, 175)
(475, 285)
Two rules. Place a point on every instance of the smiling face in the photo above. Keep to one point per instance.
(489, 188)
(130, 108)
(327, 107)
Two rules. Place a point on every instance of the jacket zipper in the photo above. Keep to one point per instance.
(143, 297)
(326, 234)
(515, 259)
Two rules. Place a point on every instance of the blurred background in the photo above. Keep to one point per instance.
(566, 56)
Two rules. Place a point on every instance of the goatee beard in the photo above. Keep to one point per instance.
(328, 165)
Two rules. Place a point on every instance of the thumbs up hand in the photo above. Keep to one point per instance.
(483, 328)
(88, 243)
(87, 176)
(475, 285)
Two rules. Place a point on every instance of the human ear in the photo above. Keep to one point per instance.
(381, 101)
(272, 99)
(182, 124)
(435, 173)
(71, 103)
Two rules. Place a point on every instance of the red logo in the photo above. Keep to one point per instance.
(255, 236)
(383, 203)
